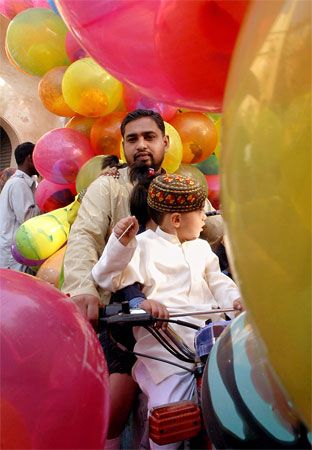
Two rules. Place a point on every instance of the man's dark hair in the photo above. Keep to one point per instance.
(22, 151)
(138, 114)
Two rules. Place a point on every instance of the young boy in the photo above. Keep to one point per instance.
(177, 271)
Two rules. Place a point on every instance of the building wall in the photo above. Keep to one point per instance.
(22, 115)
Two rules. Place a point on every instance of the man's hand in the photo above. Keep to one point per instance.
(121, 227)
(238, 306)
(89, 306)
(156, 309)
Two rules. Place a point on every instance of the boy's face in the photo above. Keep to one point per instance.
(191, 225)
(143, 141)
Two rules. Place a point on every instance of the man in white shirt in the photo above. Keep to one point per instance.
(17, 204)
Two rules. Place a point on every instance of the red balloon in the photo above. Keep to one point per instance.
(177, 52)
(59, 154)
(54, 379)
(213, 182)
(134, 99)
(50, 196)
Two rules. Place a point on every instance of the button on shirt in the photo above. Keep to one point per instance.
(179, 275)
(17, 204)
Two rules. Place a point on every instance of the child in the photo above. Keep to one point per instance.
(176, 269)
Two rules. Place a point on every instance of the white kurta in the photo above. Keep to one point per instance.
(176, 275)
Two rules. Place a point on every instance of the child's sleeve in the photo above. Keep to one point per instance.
(224, 290)
(119, 265)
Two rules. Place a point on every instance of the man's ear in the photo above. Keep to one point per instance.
(166, 142)
(176, 219)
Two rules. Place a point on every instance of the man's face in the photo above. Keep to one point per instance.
(32, 168)
(144, 143)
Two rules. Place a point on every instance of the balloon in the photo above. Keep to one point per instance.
(266, 195)
(59, 154)
(134, 99)
(105, 136)
(50, 92)
(213, 182)
(22, 260)
(81, 124)
(151, 45)
(192, 172)
(90, 90)
(173, 155)
(198, 135)
(51, 268)
(218, 125)
(35, 41)
(209, 166)
(89, 172)
(54, 379)
(243, 404)
(73, 48)
(50, 196)
(40, 237)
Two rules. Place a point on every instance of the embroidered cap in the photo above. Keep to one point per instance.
(175, 193)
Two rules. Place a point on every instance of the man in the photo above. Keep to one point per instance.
(17, 204)
(104, 204)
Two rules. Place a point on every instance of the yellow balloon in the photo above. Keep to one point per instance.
(41, 236)
(89, 172)
(266, 185)
(217, 150)
(35, 41)
(173, 155)
(90, 90)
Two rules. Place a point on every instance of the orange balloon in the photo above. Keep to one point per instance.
(105, 134)
(198, 134)
(50, 92)
(50, 270)
(81, 124)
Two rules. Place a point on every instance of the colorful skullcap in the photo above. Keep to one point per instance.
(175, 193)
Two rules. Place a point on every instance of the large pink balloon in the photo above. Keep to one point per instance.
(54, 379)
(73, 49)
(177, 52)
(59, 154)
(50, 196)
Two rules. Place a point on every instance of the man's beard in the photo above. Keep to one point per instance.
(139, 169)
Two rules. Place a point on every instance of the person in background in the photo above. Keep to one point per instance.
(17, 204)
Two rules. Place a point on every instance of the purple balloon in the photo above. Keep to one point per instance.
(22, 260)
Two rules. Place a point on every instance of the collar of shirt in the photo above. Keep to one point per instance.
(169, 237)
(20, 174)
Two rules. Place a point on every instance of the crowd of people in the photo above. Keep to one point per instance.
(140, 235)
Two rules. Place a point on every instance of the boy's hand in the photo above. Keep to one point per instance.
(110, 172)
(121, 228)
(238, 306)
(156, 309)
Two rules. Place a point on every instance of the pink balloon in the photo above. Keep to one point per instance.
(50, 196)
(134, 99)
(59, 154)
(54, 379)
(73, 48)
(177, 52)
(213, 182)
